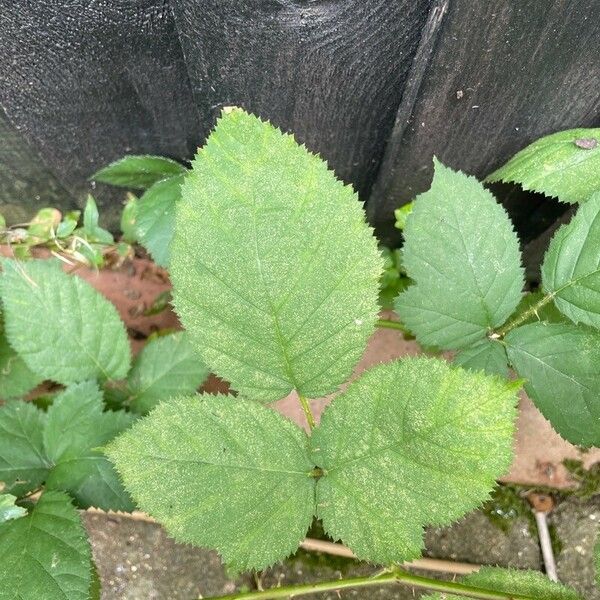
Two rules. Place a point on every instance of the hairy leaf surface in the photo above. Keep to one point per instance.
(167, 366)
(62, 328)
(513, 581)
(221, 472)
(45, 554)
(155, 218)
(487, 356)
(462, 253)
(23, 464)
(138, 171)
(76, 427)
(565, 164)
(571, 269)
(275, 272)
(560, 363)
(408, 444)
(16, 379)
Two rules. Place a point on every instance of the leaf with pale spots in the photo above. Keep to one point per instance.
(275, 272)
(410, 443)
(221, 472)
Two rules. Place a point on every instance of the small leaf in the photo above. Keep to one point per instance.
(15, 377)
(2, 222)
(565, 165)
(560, 363)
(61, 327)
(155, 218)
(487, 356)
(23, 464)
(128, 219)
(221, 472)
(167, 366)
(138, 171)
(512, 581)
(76, 426)
(43, 225)
(46, 554)
(66, 227)
(91, 229)
(462, 253)
(410, 443)
(9, 510)
(571, 268)
(160, 303)
(274, 268)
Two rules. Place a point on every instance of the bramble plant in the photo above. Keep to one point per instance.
(276, 280)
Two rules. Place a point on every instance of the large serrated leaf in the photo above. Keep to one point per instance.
(462, 253)
(571, 269)
(76, 427)
(565, 165)
(138, 171)
(221, 472)
(167, 366)
(16, 379)
(512, 581)
(409, 443)
(275, 272)
(62, 328)
(23, 463)
(46, 554)
(560, 363)
(155, 218)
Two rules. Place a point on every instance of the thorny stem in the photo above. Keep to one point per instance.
(530, 312)
(389, 577)
(310, 418)
(389, 324)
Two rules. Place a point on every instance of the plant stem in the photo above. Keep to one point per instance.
(310, 418)
(395, 576)
(531, 311)
(389, 324)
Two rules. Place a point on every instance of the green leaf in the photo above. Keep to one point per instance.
(221, 472)
(76, 427)
(560, 363)
(9, 510)
(167, 366)
(565, 165)
(597, 560)
(462, 253)
(571, 269)
(66, 227)
(487, 356)
(91, 229)
(2, 222)
(23, 464)
(43, 225)
(512, 581)
(61, 327)
(15, 377)
(128, 219)
(275, 272)
(138, 171)
(155, 218)
(410, 443)
(46, 554)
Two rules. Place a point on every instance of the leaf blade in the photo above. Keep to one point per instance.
(560, 362)
(462, 253)
(299, 312)
(401, 457)
(75, 317)
(138, 171)
(182, 461)
(557, 165)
